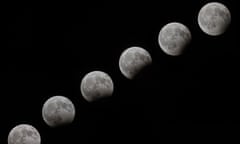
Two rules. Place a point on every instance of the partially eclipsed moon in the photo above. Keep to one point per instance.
(214, 18)
(24, 134)
(96, 85)
(133, 60)
(58, 111)
(174, 38)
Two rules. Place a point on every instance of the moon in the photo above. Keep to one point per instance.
(24, 134)
(214, 18)
(133, 60)
(58, 111)
(174, 38)
(96, 85)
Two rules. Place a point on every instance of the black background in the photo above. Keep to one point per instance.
(51, 46)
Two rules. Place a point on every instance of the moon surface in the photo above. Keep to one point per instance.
(96, 85)
(214, 18)
(24, 134)
(174, 38)
(133, 60)
(58, 111)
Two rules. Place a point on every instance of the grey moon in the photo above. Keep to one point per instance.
(58, 111)
(24, 134)
(214, 18)
(133, 60)
(96, 85)
(174, 38)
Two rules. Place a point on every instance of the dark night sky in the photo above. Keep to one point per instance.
(51, 46)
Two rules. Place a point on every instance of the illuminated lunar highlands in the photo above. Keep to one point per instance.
(96, 85)
(174, 38)
(58, 111)
(214, 18)
(24, 134)
(133, 60)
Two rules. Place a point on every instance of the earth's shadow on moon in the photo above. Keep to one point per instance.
(100, 101)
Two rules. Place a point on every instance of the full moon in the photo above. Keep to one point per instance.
(96, 85)
(133, 60)
(58, 111)
(24, 134)
(174, 38)
(214, 18)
